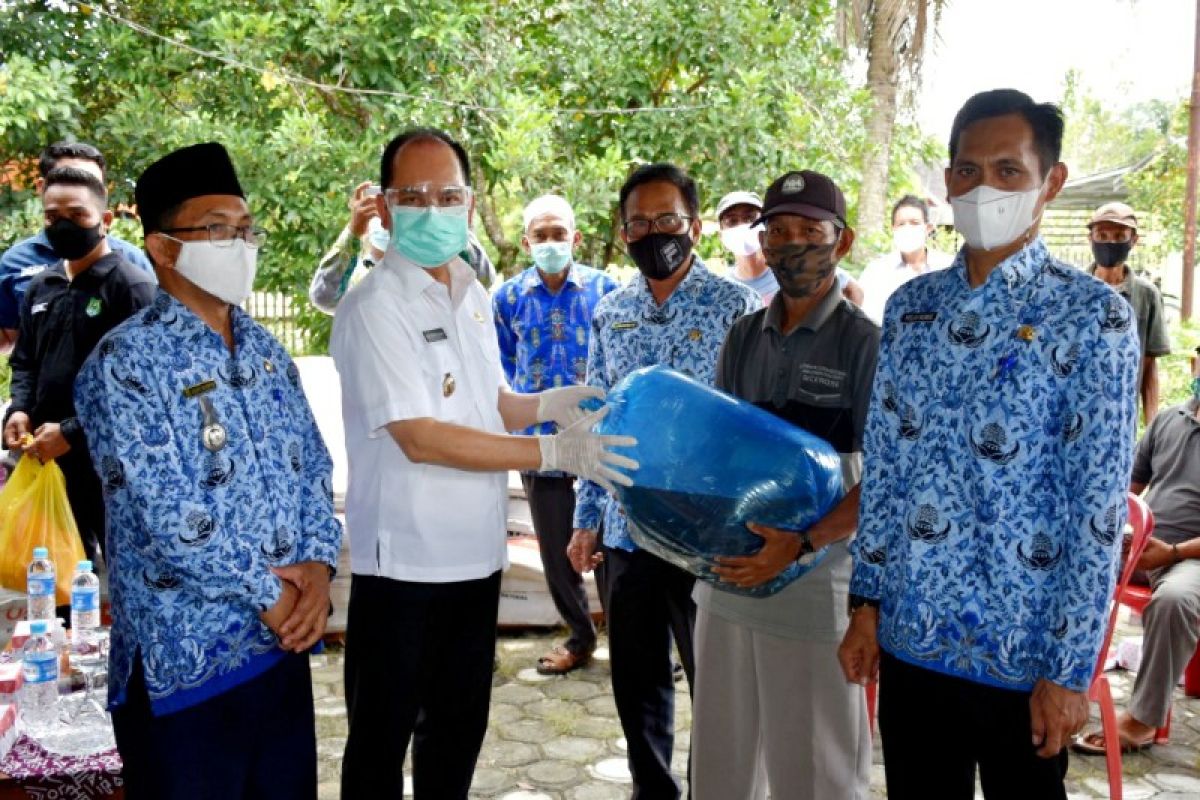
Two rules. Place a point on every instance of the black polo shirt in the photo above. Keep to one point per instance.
(818, 377)
(61, 322)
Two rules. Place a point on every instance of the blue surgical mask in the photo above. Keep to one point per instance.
(378, 235)
(1196, 388)
(429, 236)
(551, 257)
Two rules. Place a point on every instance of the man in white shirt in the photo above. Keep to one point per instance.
(911, 256)
(426, 408)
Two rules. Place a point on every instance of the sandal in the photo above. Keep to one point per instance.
(1092, 744)
(560, 661)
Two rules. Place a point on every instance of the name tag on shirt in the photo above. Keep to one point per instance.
(200, 388)
(38, 308)
(435, 335)
(918, 316)
(34, 270)
(624, 326)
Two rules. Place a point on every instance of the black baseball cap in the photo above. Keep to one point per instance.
(807, 194)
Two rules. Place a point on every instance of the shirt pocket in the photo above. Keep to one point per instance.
(446, 381)
(827, 415)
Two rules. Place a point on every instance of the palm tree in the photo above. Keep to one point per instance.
(894, 33)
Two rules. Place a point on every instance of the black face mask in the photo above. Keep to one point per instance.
(72, 241)
(1109, 254)
(658, 255)
(800, 269)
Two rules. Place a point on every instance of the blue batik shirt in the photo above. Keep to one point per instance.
(998, 448)
(33, 256)
(193, 533)
(631, 331)
(544, 335)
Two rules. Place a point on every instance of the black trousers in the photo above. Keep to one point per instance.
(418, 666)
(252, 742)
(936, 728)
(86, 497)
(552, 506)
(649, 602)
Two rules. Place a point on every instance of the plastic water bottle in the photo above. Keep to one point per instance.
(85, 604)
(39, 668)
(41, 585)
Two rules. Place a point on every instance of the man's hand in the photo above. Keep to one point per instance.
(16, 429)
(1057, 714)
(582, 551)
(1157, 554)
(575, 449)
(306, 623)
(561, 405)
(780, 549)
(362, 210)
(859, 651)
(48, 443)
(276, 615)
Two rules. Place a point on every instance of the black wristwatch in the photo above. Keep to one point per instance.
(857, 601)
(806, 544)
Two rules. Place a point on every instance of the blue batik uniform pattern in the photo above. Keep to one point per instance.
(544, 336)
(192, 535)
(631, 331)
(996, 471)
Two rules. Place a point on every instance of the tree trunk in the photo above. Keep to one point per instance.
(506, 250)
(883, 67)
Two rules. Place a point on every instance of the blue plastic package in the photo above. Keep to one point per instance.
(710, 463)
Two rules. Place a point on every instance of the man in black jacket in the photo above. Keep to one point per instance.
(66, 310)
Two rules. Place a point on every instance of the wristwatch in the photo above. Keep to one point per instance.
(857, 601)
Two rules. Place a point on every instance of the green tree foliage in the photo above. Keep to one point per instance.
(1101, 136)
(547, 95)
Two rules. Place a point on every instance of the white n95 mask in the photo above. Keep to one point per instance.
(989, 218)
(226, 272)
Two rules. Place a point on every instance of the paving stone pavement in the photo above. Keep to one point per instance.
(558, 738)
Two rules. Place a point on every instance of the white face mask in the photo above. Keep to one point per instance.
(988, 218)
(909, 238)
(741, 240)
(226, 273)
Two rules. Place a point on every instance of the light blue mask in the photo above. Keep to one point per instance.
(379, 238)
(1196, 388)
(551, 257)
(429, 236)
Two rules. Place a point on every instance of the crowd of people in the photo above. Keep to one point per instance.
(983, 405)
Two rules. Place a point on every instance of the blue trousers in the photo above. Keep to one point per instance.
(256, 740)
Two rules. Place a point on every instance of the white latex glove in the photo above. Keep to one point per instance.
(579, 451)
(561, 405)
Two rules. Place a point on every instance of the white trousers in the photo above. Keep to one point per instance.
(774, 713)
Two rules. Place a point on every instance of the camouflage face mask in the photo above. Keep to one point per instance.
(800, 269)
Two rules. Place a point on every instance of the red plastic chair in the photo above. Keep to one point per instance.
(1100, 692)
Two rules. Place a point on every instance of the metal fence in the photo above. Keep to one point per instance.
(276, 312)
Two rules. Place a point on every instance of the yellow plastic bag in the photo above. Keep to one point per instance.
(34, 512)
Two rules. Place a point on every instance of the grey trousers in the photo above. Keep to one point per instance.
(774, 713)
(1171, 625)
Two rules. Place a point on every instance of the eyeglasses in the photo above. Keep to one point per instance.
(222, 235)
(667, 223)
(424, 195)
